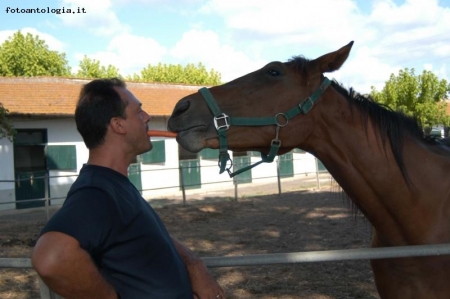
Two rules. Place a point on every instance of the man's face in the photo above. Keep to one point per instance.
(136, 122)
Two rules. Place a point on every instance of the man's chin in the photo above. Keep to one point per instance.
(148, 148)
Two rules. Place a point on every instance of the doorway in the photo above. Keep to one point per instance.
(30, 167)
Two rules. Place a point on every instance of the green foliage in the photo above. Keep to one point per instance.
(190, 74)
(446, 120)
(27, 56)
(6, 129)
(91, 68)
(420, 96)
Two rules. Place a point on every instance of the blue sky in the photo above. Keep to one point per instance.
(235, 37)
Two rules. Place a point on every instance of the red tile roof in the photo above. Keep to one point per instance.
(53, 96)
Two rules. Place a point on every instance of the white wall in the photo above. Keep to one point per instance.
(60, 131)
(161, 179)
(161, 175)
(64, 132)
(304, 163)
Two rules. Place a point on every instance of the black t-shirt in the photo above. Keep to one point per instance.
(123, 234)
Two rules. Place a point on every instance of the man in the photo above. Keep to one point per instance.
(106, 241)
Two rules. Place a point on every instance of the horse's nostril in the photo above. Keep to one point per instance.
(180, 108)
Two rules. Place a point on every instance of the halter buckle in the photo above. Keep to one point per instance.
(306, 105)
(275, 142)
(225, 119)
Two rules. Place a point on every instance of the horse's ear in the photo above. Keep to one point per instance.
(333, 61)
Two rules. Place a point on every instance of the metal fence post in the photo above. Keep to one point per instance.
(235, 189)
(45, 291)
(317, 173)
(278, 175)
(182, 185)
(47, 195)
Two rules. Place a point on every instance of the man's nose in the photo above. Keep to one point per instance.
(148, 117)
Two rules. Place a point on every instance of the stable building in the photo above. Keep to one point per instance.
(47, 153)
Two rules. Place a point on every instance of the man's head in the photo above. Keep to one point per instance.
(98, 103)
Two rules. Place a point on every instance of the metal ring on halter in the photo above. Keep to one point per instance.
(228, 160)
(286, 119)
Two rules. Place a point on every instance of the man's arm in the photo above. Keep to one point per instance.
(203, 283)
(68, 269)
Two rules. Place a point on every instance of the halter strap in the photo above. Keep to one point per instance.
(223, 122)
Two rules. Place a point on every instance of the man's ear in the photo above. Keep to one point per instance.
(116, 124)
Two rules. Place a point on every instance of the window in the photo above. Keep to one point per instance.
(157, 154)
(61, 157)
(211, 154)
(255, 154)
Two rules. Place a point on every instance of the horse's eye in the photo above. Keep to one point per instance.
(273, 72)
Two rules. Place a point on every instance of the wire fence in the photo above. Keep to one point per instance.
(303, 180)
(278, 258)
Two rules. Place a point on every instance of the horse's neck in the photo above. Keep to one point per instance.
(369, 174)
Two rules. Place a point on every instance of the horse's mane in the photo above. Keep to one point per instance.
(390, 125)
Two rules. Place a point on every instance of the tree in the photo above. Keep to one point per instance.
(6, 129)
(420, 96)
(27, 55)
(190, 74)
(446, 123)
(91, 68)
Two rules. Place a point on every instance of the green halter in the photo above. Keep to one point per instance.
(222, 122)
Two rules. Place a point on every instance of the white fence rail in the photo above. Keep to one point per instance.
(280, 258)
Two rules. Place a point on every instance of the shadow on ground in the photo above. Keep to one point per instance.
(217, 226)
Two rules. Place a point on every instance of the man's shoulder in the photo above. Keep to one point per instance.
(110, 182)
(99, 175)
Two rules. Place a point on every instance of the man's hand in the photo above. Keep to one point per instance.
(204, 285)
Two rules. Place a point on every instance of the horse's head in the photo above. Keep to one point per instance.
(263, 94)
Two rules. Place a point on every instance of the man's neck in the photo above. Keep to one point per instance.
(109, 160)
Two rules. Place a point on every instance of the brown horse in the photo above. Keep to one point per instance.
(381, 159)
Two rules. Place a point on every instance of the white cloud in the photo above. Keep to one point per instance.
(156, 2)
(288, 21)
(410, 33)
(99, 18)
(412, 12)
(277, 30)
(206, 47)
(129, 53)
(389, 38)
(364, 70)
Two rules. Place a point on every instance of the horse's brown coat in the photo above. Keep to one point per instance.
(407, 207)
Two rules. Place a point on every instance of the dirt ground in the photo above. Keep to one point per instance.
(293, 222)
